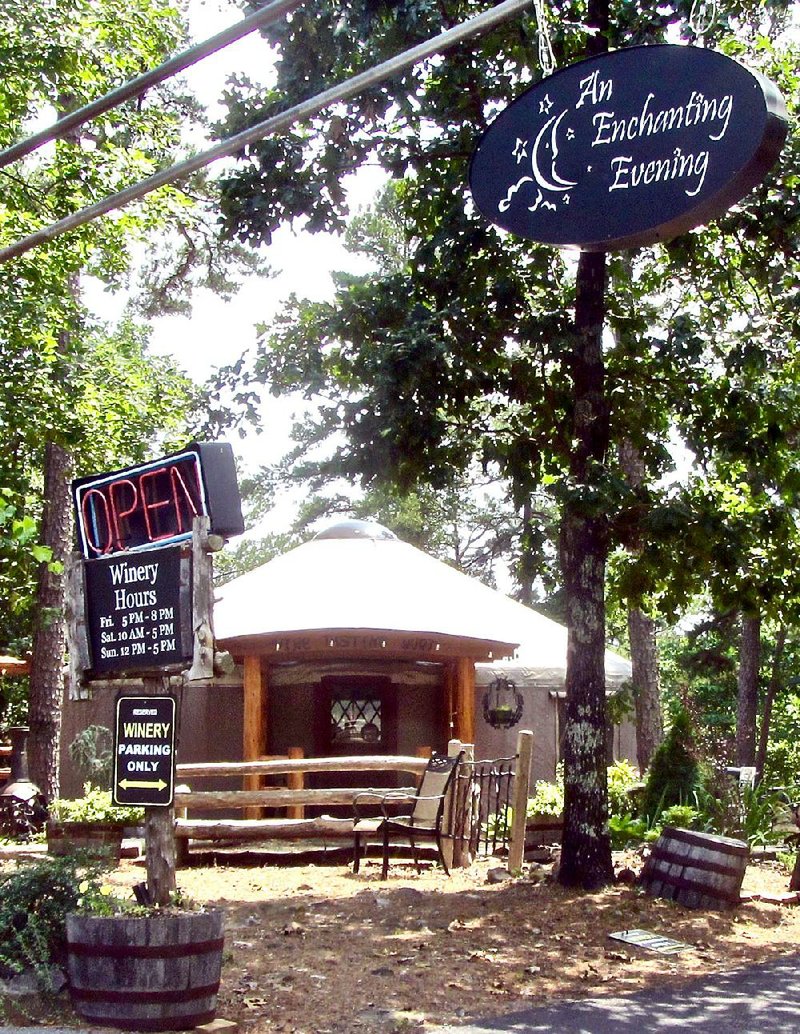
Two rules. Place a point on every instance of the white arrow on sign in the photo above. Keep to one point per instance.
(141, 784)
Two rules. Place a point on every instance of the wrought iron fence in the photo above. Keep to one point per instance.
(482, 805)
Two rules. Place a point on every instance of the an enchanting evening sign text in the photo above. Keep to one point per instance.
(628, 148)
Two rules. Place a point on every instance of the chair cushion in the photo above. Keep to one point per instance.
(367, 825)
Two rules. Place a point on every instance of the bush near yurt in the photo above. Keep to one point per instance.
(676, 772)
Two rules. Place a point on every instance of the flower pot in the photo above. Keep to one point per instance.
(97, 839)
(155, 972)
(502, 717)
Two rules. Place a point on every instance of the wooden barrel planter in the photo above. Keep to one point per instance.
(698, 870)
(97, 839)
(157, 972)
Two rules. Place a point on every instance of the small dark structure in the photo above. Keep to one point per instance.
(22, 805)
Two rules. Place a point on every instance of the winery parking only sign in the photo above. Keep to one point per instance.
(628, 148)
(144, 750)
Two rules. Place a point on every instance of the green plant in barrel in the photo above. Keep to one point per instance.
(92, 823)
(95, 806)
(34, 903)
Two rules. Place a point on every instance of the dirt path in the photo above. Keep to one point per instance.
(313, 949)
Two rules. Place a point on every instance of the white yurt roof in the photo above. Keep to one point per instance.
(541, 659)
(358, 575)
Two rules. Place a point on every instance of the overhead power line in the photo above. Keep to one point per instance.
(135, 87)
(356, 84)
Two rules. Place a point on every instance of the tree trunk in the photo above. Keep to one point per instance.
(769, 700)
(642, 634)
(526, 573)
(749, 660)
(646, 694)
(47, 660)
(586, 847)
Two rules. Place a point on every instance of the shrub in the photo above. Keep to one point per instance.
(95, 806)
(622, 778)
(34, 902)
(626, 830)
(684, 816)
(750, 813)
(547, 799)
(91, 752)
(676, 773)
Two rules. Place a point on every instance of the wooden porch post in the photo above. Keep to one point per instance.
(448, 728)
(254, 740)
(464, 700)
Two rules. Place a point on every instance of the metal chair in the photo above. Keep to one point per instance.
(421, 822)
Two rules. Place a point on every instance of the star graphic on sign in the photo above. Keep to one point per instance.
(588, 168)
(545, 105)
(520, 150)
(565, 199)
(570, 134)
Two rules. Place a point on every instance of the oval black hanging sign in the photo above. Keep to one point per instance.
(628, 148)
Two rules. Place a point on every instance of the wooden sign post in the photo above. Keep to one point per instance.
(144, 774)
(159, 827)
(147, 534)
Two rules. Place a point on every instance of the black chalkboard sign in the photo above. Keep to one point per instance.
(144, 750)
(628, 148)
(138, 611)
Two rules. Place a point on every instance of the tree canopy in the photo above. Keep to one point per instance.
(462, 348)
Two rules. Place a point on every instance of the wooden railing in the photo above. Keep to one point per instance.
(296, 797)
(293, 798)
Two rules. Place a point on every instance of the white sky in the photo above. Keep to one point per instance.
(217, 332)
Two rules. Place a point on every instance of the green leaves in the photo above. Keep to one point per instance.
(93, 390)
(455, 350)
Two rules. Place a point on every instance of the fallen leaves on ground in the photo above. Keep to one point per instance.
(315, 949)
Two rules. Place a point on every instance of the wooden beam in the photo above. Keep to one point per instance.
(296, 781)
(264, 829)
(449, 708)
(522, 779)
(279, 766)
(276, 797)
(464, 699)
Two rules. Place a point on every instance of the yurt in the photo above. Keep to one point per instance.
(358, 643)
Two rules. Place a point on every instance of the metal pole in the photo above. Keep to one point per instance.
(305, 109)
(137, 86)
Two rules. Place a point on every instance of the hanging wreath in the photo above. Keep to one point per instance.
(502, 704)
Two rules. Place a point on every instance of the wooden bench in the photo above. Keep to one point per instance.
(292, 799)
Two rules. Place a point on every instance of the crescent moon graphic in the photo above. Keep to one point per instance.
(555, 182)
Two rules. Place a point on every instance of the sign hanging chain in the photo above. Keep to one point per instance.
(702, 17)
(547, 59)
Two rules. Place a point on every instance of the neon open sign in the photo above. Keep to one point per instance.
(155, 503)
